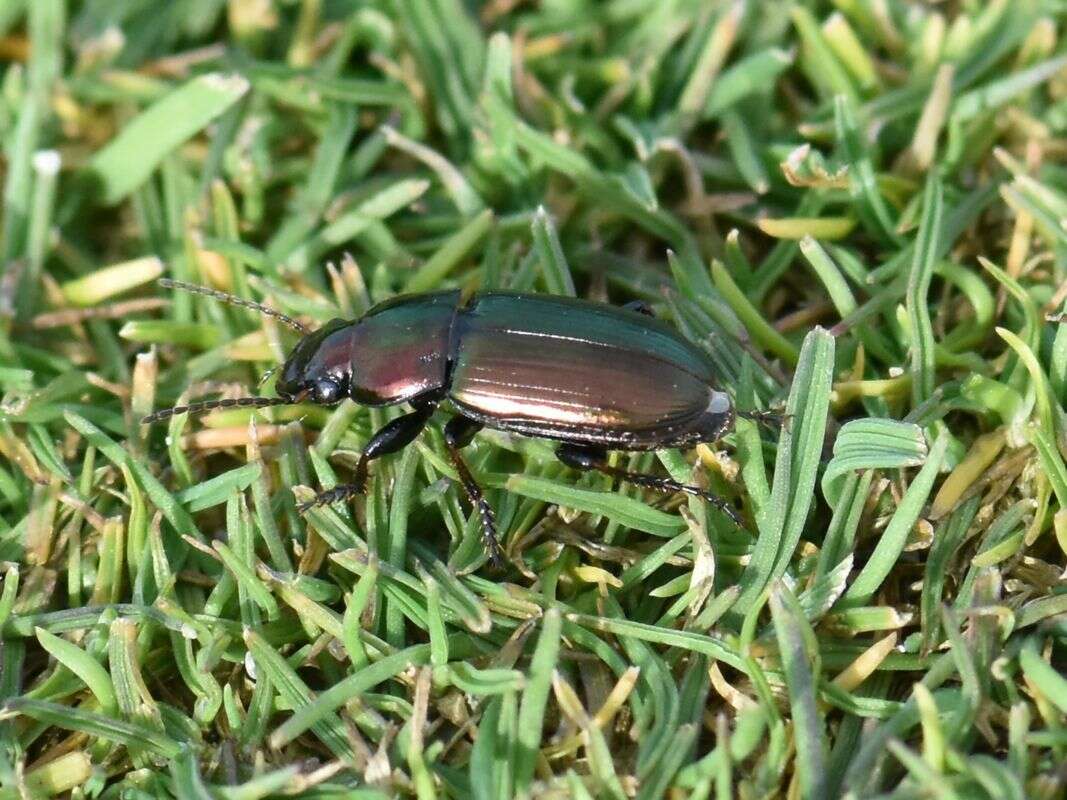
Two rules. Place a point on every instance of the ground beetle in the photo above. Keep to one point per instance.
(594, 377)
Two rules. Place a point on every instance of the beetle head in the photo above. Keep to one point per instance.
(320, 366)
(317, 369)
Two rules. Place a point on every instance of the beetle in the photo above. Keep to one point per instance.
(592, 376)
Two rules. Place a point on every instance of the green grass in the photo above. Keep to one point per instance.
(857, 207)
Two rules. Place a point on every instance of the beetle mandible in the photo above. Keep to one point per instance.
(592, 376)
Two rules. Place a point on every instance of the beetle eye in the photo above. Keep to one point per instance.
(327, 391)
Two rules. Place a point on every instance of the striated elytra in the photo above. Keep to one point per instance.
(592, 376)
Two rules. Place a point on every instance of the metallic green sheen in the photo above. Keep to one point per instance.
(397, 352)
(400, 349)
(584, 372)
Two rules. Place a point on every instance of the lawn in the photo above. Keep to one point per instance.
(858, 207)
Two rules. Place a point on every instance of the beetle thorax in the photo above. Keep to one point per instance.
(402, 350)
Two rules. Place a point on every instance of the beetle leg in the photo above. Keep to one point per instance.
(772, 418)
(392, 437)
(584, 457)
(327, 498)
(640, 306)
(458, 434)
(460, 430)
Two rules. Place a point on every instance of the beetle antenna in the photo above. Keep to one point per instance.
(233, 300)
(211, 405)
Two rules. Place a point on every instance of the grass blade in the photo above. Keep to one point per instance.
(795, 471)
(129, 159)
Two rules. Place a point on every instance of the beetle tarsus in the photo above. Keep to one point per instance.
(641, 307)
(772, 418)
(330, 496)
(583, 457)
(458, 434)
(391, 438)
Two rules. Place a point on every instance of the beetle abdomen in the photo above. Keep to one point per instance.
(581, 371)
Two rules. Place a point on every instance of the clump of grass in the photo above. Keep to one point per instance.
(856, 207)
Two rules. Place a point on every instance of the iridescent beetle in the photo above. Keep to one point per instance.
(592, 376)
